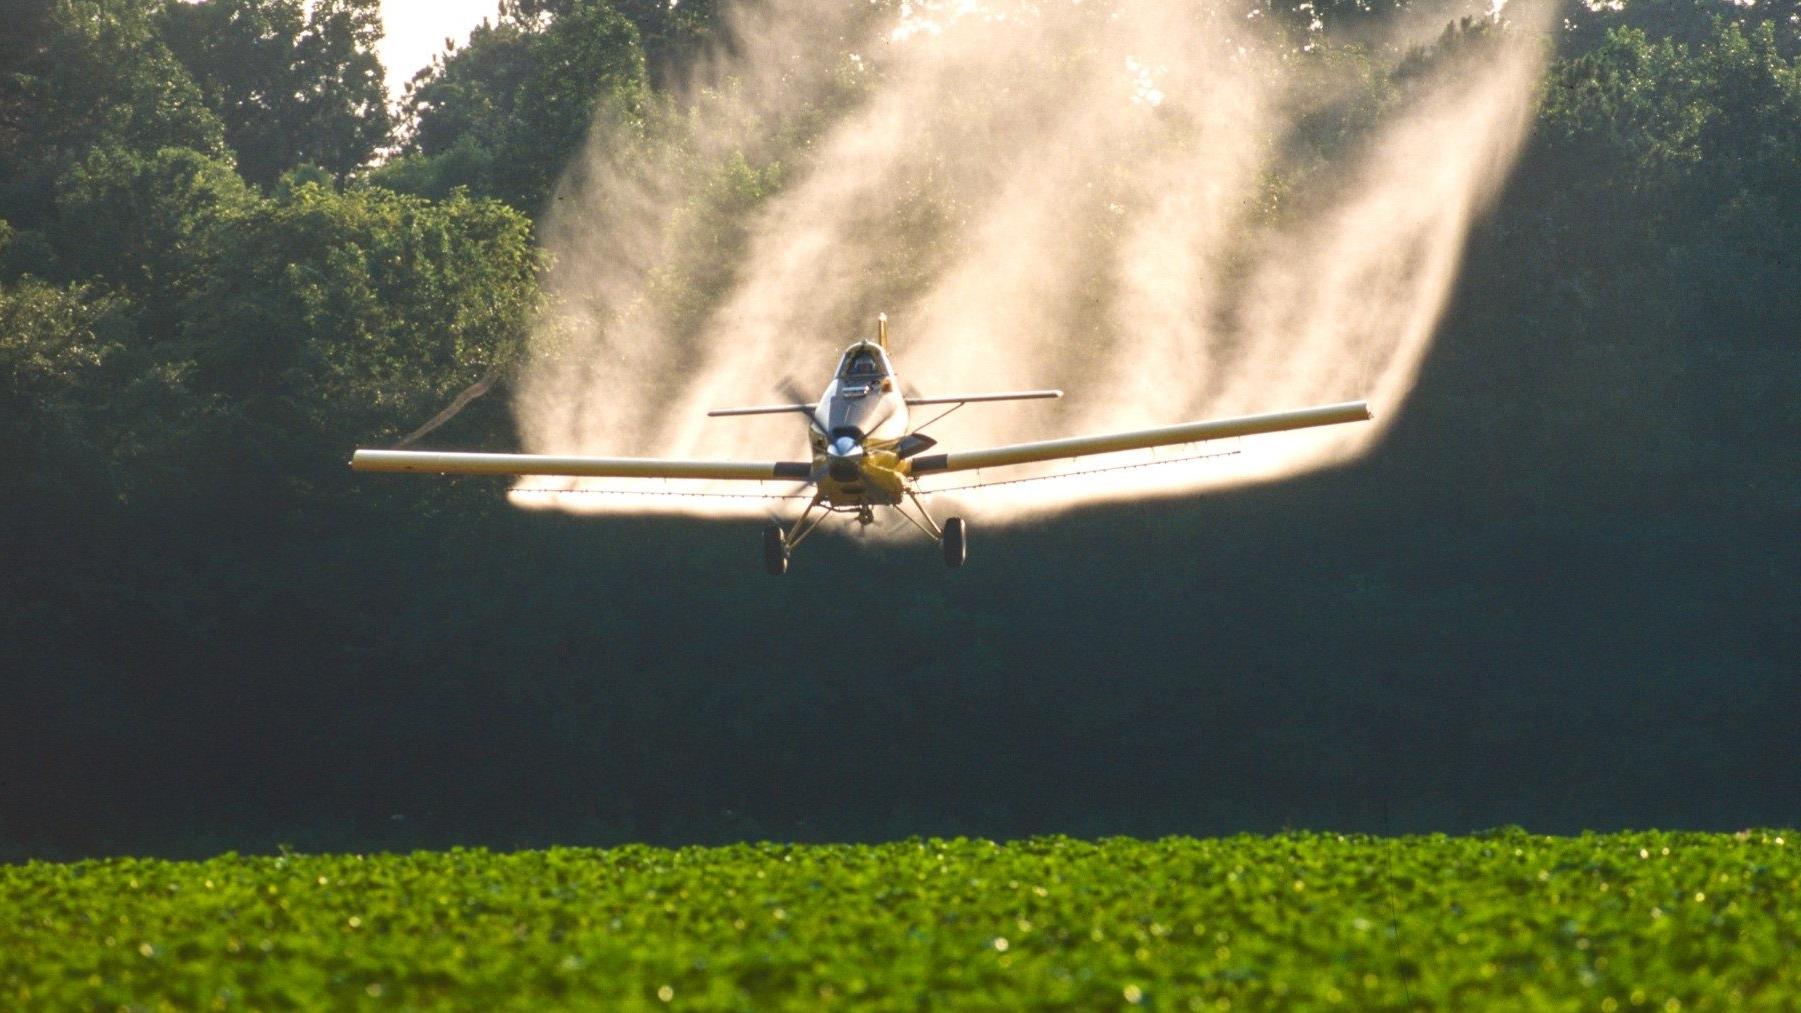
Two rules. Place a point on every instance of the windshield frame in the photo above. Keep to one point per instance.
(857, 351)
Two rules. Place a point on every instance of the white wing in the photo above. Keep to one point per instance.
(430, 462)
(1187, 432)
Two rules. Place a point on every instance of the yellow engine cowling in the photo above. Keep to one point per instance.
(879, 483)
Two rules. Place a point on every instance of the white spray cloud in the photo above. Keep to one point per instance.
(1166, 208)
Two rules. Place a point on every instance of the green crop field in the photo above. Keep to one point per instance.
(1599, 922)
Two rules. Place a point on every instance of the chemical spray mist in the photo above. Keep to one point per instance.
(1173, 210)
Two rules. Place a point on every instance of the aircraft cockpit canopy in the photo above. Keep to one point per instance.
(863, 364)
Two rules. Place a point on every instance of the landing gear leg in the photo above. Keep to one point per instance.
(953, 537)
(776, 543)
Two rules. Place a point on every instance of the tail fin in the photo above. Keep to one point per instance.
(881, 331)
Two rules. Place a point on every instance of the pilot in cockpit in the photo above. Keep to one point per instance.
(863, 366)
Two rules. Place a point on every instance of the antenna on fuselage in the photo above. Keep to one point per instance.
(881, 330)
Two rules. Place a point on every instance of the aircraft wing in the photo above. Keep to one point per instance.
(1187, 432)
(763, 409)
(1011, 395)
(431, 462)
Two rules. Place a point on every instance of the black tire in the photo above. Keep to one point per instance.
(775, 551)
(955, 542)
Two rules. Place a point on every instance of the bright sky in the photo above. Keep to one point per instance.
(416, 30)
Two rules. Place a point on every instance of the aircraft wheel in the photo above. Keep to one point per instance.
(956, 542)
(775, 551)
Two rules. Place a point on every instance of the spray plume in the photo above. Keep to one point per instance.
(1170, 209)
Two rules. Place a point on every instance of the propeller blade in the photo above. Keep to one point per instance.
(794, 392)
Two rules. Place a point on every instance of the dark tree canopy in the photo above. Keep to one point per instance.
(143, 223)
(506, 112)
(94, 74)
(295, 83)
(674, 34)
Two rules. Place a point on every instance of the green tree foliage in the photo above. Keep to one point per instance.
(1709, 138)
(1683, 163)
(146, 223)
(295, 83)
(1658, 112)
(674, 34)
(25, 23)
(96, 76)
(504, 114)
(52, 341)
(1690, 23)
(362, 309)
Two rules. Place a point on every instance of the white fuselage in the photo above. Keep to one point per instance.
(853, 431)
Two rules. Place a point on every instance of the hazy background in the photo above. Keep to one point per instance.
(1556, 590)
(1037, 195)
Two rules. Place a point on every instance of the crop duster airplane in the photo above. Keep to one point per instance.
(866, 452)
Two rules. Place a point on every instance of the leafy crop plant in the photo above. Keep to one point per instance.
(1653, 921)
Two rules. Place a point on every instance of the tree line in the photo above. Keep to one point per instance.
(225, 258)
